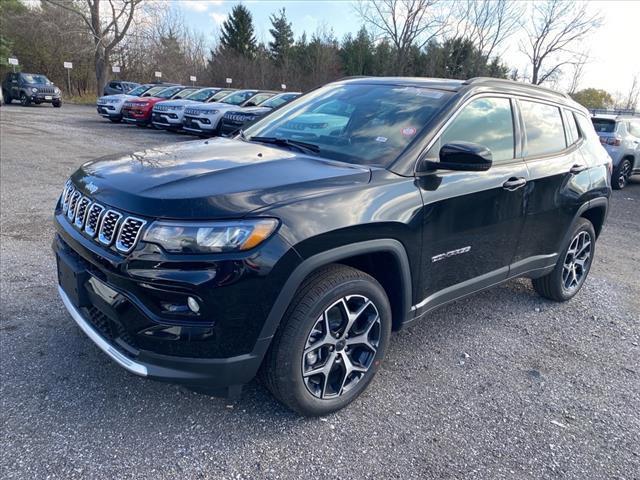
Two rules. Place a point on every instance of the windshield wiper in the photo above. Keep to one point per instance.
(286, 142)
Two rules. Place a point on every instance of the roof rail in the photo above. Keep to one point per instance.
(512, 82)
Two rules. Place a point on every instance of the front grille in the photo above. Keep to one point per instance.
(161, 108)
(109, 226)
(129, 233)
(91, 228)
(191, 111)
(81, 212)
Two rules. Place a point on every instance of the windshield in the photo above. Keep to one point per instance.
(259, 98)
(239, 97)
(220, 95)
(168, 92)
(152, 91)
(30, 78)
(201, 95)
(603, 125)
(279, 100)
(355, 123)
(139, 90)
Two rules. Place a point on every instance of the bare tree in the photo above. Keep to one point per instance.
(405, 23)
(487, 23)
(631, 99)
(554, 32)
(107, 23)
(577, 71)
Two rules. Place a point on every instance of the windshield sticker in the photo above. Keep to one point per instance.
(381, 139)
(408, 131)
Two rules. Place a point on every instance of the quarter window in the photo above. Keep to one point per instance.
(572, 128)
(543, 126)
(487, 122)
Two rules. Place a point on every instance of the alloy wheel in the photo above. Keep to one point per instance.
(625, 172)
(577, 261)
(341, 347)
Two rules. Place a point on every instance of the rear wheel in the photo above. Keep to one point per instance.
(573, 266)
(621, 174)
(24, 100)
(331, 343)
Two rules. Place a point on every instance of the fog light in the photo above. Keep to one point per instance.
(193, 305)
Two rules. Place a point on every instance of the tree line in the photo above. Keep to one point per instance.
(427, 38)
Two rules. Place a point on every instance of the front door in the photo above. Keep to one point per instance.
(472, 220)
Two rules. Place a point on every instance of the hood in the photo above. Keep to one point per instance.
(254, 110)
(119, 96)
(219, 178)
(178, 102)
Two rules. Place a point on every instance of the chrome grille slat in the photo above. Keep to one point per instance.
(93, 219)
(104, 225)
(81, 212)
(129, 234)
(109, 227)
(73, 203)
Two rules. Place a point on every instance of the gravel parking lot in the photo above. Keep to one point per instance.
(500, 385)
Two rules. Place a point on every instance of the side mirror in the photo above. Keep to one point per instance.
(462, 156)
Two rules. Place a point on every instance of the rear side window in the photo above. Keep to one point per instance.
(543, 127)
(603, 125)
(573, 135)
(487, 122)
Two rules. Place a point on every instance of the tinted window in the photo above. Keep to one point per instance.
(279, 100)
(572, 128)
(543, 126)
(138, 90)
(186, 92)
(358, 123)
(169, 92)
(259, 98)
(239, 97)
(487, 122)
(603, 125)
(220, 95)
(201, 95)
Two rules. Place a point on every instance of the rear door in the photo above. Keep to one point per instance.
(559, 177)
(472, 220)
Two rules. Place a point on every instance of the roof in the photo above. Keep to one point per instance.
(486, 83)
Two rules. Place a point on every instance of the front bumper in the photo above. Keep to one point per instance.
(109, 111)
(45, 97)
(138, 117)
(200, 125)
(167, 120)
(115, 299)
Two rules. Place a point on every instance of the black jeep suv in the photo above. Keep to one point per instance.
(293, 250)
(30, 88)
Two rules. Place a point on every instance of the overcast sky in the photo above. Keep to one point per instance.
(614, 48)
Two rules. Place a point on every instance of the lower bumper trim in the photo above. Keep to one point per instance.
(116, 356)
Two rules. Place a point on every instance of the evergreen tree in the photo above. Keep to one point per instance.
(357, 54)
(237, 32)
(282, 33)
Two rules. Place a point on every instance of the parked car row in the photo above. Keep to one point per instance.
(203, 111)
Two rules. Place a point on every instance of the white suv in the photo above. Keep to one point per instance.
(205, 119)
(110, 106)
(168, 114)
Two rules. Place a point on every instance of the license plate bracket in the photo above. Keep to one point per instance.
(72, 276)
(48, 97)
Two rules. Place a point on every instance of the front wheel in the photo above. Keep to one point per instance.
(573, 265)
(331, 342)
(621, 174)
(24, 100)
(57, 104)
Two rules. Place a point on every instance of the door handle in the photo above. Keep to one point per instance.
(577, 169)
(514, 183)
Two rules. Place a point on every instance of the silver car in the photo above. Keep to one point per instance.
(620, 136)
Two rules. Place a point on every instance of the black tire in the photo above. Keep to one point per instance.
(621, 174)
(142, 125)
(57, 104)
(282, 368)
(115, 120)
(553, 285)
(24, 100)
(7, 97)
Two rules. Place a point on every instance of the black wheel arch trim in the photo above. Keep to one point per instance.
(311, 264)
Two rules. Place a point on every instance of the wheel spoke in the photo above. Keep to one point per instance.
(325, 368)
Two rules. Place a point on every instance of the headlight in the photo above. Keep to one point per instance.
(34, 90)
(56, 90)
(210, 237)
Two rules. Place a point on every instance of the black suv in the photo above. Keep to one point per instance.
(293, 250)
(30, 88)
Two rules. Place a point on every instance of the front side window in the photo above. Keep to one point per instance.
(485, 121)
(543, 127)
(220, 95)
(367, 124)
(259, 98)
(186, 92)
(138, 90)
(279, 100)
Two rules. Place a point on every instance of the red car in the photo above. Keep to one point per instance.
(138, 110)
